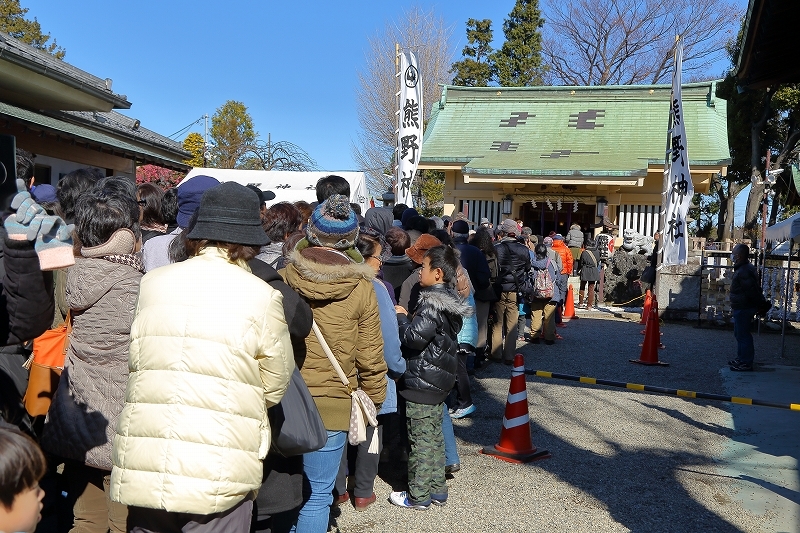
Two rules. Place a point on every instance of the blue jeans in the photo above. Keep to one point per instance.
(742, 320)
(450, 451)
(320, 467)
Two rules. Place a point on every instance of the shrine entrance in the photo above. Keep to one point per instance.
(542, 220)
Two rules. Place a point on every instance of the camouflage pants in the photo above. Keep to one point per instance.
(426, 460)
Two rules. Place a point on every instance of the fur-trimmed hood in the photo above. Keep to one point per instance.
(320, 274)
(444, 299)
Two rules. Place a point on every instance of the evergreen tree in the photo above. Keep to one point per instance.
(14, 23)
(475, 69)
(519, 62)
(232, 134)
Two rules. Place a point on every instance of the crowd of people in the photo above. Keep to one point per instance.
(191, 309)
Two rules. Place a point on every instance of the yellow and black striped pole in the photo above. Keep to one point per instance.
(663, 390)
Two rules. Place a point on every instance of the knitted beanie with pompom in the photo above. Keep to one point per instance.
(333, 224)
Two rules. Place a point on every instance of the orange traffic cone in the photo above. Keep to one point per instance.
(569, 305)
(648, 302)
(652, 341)
(515, 444)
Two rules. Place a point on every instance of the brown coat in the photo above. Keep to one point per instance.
(345, 308)
(83, 416)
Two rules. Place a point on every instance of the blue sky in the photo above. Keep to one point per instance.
(293, 64)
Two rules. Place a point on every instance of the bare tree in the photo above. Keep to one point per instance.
(623, 42)
(281, 155)
(427, 35)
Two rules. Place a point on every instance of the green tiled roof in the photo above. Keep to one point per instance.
(612, 132)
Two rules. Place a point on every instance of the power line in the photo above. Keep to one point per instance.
(186, 128)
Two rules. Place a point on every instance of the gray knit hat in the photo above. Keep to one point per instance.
(333, 224)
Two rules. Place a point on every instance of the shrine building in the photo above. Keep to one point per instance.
(554, 156)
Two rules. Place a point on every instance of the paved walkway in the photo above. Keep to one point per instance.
(624, 460)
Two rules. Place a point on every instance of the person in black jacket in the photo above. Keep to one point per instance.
(746, 298)
(429, 345)
(278, 501)
(26, 301)
(472, 259)
(514, 261)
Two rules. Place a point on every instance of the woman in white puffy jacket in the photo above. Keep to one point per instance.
(210, 351)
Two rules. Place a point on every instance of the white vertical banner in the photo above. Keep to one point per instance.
(679, 189)
(409, 133)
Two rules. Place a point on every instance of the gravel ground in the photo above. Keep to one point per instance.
(621, 460)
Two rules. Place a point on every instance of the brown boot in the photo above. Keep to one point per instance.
(590, 303)
(580, 299)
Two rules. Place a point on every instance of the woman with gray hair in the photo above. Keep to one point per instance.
(101, 292)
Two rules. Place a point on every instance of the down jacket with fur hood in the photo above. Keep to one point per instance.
(429, 344)
(338, 287)
(209, 353)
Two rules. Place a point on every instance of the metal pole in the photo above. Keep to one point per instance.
(786, 298)
(205, 140)
(662, 216)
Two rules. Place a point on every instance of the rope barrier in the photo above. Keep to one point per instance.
(662, 390)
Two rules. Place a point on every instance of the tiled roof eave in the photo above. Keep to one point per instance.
(696, 162)
(132, 151)
(635, 173)
(14, 51)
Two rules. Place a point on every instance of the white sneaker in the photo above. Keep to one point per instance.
(401, 499)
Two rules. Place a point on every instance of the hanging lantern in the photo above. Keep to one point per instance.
(575, 206)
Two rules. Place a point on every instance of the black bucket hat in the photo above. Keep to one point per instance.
(230, 213)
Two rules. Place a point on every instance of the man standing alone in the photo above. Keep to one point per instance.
(746, 298)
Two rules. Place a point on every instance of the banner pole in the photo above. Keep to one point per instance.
(662, 216)
(397, 106)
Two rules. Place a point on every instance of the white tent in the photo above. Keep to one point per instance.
(785, 230)
(288, 186)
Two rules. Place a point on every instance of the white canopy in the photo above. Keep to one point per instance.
(288, 186)
(785, 229)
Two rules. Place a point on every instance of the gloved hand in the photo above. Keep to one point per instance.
(53, 242)
(18, 225)
(52, 237)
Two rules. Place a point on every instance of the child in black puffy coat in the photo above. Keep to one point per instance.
(429, 346)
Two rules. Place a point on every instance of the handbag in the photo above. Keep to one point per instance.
(296, 425)
(362, 408)
(45, 365)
